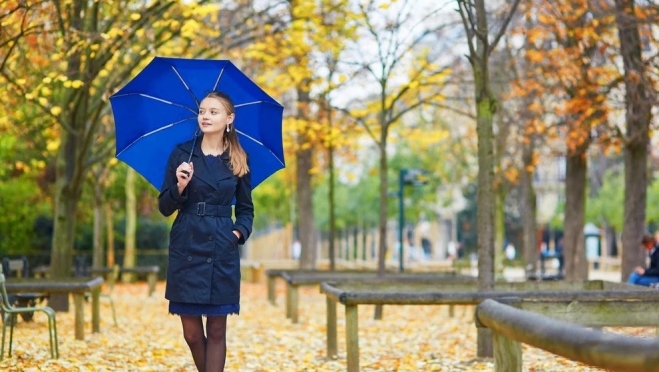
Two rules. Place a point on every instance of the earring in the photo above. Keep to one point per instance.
(228, 128)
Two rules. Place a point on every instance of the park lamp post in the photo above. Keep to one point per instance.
(412, 177)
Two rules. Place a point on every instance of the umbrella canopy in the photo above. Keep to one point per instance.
(158, 109)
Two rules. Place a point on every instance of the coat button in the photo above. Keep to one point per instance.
(210, 237)
(209, 260)
(191, 235)
(189, 258)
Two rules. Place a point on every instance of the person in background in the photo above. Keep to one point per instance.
(647, 276)
(452, 250)
(559, 255)
(511, 252)
(296, 249)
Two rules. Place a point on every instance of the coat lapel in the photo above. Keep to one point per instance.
(209, 174)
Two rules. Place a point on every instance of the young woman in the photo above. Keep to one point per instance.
(203, 273)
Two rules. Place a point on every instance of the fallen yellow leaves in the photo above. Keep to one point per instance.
(261, 339)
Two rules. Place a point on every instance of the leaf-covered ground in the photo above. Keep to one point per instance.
(409, 338)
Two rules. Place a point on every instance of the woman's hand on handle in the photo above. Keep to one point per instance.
(184, 174)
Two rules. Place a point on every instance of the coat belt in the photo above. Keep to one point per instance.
(211, 210)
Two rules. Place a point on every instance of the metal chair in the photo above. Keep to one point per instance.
(111, 279)
(82, 270)
(9, 319)
(19, 268)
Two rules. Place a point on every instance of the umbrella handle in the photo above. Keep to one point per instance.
(194, 143)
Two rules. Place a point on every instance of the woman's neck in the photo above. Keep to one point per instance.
(212, 144)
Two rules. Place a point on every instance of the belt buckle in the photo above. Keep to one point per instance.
(201, 209)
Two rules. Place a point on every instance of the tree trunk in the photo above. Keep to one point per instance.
(576, 265)
(66, 199)
(109, 232)
(499, 228)
(485, 194)
(332, 217)
(67, 194)
(529, 198)
(63, 241)
(638, 113)
(476, 27)
(500, 143)
(364, 239)
(131, 226)
(304, 191)
(529, 211)
(384, 185)
(97, 253)
(382, 227)
(485, 197)
(610, 239)
(636, 180)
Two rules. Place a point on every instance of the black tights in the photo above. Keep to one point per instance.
(209, 350)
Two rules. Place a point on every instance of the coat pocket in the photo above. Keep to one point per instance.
(234, 239)
(228, 250)
(176, 234)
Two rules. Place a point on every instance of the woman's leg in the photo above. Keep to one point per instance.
(193, 332)
(633, 278)
(647, 280)
(216, 346)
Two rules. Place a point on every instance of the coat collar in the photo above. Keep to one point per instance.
(210, 174)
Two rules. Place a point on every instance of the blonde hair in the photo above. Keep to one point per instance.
(237, 155)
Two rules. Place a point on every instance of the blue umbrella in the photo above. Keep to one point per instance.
(158, 108)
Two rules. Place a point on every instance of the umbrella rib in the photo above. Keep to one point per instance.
(155, 131)
(158, 99)
(260, 143)
(186, 85)
(217, 82)
(257, 102)
(248, 104)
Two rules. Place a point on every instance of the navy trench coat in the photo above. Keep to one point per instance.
(204, 259)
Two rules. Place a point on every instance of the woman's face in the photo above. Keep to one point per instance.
(213, 116)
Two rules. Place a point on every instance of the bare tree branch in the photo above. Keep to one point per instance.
(504, 26)
(468, 26)
(452, 109)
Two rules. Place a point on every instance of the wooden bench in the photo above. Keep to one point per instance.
(151, 273)
(272, 275)
(560, 331)
(44, 272)
(295, 280)
(604, 263)
(434, 266)
(75, 286)
(516, 263)
(562, 297)
(251, 271)
(461, 265)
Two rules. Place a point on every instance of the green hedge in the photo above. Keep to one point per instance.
(21, 203)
